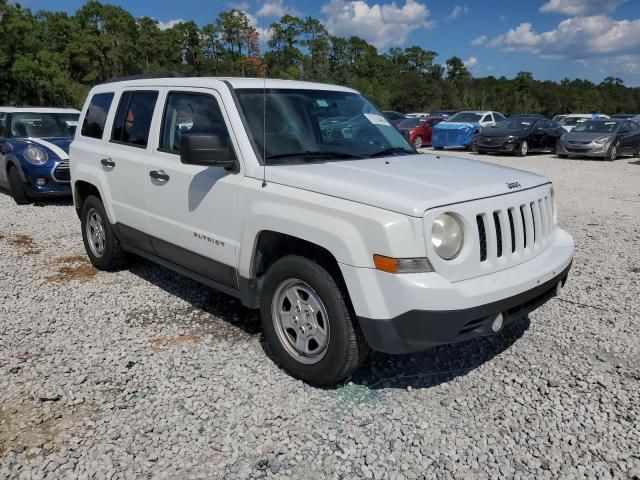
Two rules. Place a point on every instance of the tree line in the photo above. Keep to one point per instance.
(52, 58)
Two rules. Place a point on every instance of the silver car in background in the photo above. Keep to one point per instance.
(607, 139)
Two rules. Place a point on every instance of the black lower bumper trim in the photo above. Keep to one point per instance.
(418, 330)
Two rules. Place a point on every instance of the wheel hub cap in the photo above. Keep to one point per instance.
(301, 321)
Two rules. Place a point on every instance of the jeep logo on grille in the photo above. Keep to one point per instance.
(512, 185)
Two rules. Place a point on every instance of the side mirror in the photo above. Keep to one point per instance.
(206, 150)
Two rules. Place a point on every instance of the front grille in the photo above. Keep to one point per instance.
(61, 173)
(491, 141)
(512, 230)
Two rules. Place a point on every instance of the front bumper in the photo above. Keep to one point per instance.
(588, 151)
(422, 329)
(53, 186)
(508, 146)
(413, 312)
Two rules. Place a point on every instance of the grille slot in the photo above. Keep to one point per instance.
(482, 234)
(496, 221)
(512, 228)
(524, 225)
(533, 221)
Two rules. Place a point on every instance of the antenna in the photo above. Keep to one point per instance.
(264, 127)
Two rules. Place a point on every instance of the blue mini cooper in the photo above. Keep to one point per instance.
(34, 151)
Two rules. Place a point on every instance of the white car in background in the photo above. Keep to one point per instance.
(570, 121)
(417, 115)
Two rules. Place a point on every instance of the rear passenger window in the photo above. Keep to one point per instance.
(133, 118)
(96, 117)
(188, 114)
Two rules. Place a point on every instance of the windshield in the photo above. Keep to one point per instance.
(597, 127)
(304, 125)
(465, 117)
(573, 120)
(516, 124)
(410, 123)
(42, 125)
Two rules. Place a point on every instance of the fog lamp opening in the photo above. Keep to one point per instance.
(497, 323)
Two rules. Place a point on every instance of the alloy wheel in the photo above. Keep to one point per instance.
(95, 233)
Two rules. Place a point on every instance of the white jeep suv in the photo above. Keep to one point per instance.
(301, 200)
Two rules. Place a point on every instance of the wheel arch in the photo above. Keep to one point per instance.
(81, 191)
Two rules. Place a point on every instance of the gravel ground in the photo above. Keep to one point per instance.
(143, 373)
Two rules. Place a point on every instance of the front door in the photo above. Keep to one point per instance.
(192, 208)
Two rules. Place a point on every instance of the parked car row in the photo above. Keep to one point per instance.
(305, 203)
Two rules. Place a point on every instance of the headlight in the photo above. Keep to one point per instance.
(601, 140)
(447, 236)
(35, 155)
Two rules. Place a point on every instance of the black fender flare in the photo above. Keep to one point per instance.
(11, 160)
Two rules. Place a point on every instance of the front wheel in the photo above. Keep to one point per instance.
(308, 324)
(417, 142)
(473, 146)
(523, 148)
(612, 153)
(100, 241)
(18, 192)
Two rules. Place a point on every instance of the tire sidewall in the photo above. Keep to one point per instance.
(610, 151)
(331, 364)
(523, 146)
(415, 142)
(108, 260)
(18, 193)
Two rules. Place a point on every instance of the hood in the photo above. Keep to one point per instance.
(455, 125)
(503, 132)
(58, 146)
(409, 184)
(586, 136)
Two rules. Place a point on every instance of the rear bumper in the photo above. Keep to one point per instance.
(422, 329)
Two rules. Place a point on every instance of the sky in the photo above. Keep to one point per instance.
(553, 39)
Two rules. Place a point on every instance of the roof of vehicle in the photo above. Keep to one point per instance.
(235, 82)
(37, 110)
(480, 112)
(586, 115)
(528, 115)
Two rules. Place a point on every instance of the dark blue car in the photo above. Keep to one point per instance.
(34, 151)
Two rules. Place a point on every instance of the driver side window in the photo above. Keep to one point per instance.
(189, 114)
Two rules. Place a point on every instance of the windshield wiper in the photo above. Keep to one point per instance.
(388, 150)
(312, 154)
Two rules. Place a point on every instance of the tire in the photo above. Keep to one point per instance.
(103, 248)
(472, 147)
(480, 152)
(613, 152)
(438, 148)
(18, 192)
(562, 155)
(523, 149)
(335, 345)
(417, 142)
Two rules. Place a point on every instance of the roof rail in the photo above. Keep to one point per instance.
(144, 76)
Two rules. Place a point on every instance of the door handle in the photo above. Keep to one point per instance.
(159, 175)
(107, 162)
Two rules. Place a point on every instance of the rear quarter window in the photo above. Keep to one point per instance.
(96, 117)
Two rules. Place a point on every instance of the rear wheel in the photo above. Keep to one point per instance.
(100, 241)
(308, 324)
(18, 192)
(523, 149)
(417, 142)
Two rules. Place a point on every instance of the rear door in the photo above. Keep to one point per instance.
(628, 138)
(192, 208)
(125, 158)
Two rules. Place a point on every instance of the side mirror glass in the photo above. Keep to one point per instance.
(206, 150)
